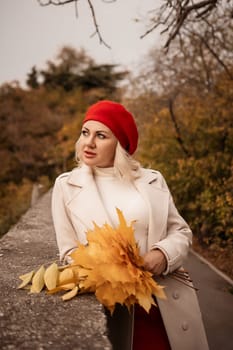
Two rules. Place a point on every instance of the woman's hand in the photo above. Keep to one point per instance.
(155, 261)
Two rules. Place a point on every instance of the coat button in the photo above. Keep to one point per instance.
(175, 295)
(185, 326)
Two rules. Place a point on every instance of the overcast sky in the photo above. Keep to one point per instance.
(30, 34)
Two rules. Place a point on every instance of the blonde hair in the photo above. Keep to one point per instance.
(125, 166)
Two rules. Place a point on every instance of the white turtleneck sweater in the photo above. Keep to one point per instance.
(122, 194)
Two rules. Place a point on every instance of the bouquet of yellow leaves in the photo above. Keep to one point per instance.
(109, 266)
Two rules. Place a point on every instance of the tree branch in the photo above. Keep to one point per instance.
(64, 2)
(186, 11)
(176, 126)
(96, 25)
(55, 2)
(215, 55)
(174, 13)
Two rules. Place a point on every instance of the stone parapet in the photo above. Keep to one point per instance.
(40, 321)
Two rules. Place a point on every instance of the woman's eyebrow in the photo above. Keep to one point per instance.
(98, 130)
(103, 131)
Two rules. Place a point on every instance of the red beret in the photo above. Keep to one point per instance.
(118, 120)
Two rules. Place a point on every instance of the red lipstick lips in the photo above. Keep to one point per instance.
(89, 154)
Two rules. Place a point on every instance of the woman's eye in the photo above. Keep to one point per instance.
(84, 132)
(101, 136)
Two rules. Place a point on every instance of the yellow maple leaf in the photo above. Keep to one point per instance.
(63, 287)
(26, 278)
(38, 280)
(71, 294)
(51, 276)
(114, 268)
(65, 276)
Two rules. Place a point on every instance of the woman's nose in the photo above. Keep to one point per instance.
(90, 141)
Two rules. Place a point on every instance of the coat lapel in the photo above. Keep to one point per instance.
(157, 200)
(85, 203)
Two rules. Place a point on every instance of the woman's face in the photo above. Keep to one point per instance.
(97, 145)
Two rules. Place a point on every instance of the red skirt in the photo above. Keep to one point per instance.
(149, 330)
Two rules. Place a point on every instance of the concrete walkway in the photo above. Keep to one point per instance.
(216, 302)
(40, 322)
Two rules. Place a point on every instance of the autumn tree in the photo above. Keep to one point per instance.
(73, 69)
(66, 69)
(189, 134)
(27, 128)
(32, 78)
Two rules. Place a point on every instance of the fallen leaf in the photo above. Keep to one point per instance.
(38, 281)
(70, 294)
(26, 278)
(66, 276)
(67, 286)
(51, 276)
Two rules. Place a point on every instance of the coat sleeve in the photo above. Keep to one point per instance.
(65, 233)
(175, 245)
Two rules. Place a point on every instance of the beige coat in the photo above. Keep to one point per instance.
(76, 205)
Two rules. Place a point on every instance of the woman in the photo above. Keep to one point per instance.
(108, 177)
